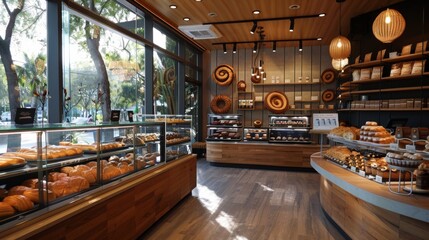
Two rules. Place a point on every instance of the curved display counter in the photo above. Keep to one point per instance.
(364, 209)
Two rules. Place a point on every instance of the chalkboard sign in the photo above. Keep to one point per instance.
(25, 115)
(115, 115)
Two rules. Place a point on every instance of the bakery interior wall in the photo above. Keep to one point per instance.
(286, 64)
(416, 14)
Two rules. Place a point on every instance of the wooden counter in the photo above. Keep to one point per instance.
(261, 153)
(367, 210)
(123, 211)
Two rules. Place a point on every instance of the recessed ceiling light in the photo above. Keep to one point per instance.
(212, 14)
(173, 6)
(294, 7)
(256, 12)
(322, 15)
(186, 19)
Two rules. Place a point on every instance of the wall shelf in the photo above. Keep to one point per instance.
(383, 109)
(285, 84)
(385, 90)
(358, 82)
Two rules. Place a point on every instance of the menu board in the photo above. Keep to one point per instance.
(325, 121)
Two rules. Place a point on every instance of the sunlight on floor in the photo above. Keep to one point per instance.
(265, 188)
(208, 198)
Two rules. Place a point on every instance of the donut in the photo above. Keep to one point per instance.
(241, 85)
(328, 76)
(220, 104)
(223, 75)
(328, 95)
(276, 102)
(257, 123)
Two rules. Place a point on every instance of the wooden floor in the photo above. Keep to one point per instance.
(247, 204)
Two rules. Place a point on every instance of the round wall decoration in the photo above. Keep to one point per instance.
(223, 75)
(257, 123)
(241, 85)
(220, 104)
(328, 76)
(328, 95)
(276, 102)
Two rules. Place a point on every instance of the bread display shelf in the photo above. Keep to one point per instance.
(105, 150)
(306, 101)
(408, 57)
(129, 160)
(381, 148)
(383, 79)
(225, 126)
(383, 90)
(183, 142)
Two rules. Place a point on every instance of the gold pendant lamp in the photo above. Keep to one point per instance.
(340, 46)
(388, 26)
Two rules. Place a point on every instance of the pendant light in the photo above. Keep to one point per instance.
(339, 64)
(388, 25)
(340, 46)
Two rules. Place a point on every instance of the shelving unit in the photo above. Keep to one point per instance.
(381, 93)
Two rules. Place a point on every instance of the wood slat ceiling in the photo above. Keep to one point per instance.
(230, 10)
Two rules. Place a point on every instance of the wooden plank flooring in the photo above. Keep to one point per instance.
(247, 204)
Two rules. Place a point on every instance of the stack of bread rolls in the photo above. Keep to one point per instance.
(371, 132)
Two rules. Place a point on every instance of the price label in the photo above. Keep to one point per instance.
(362, 173)
(378, 179)
(353, 169)
(394, 146)
(410, 148)
(344, 166)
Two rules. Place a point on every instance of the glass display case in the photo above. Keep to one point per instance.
(54, 164)
(255, 134)
(224, 127)
(289, 129)
(179, 134)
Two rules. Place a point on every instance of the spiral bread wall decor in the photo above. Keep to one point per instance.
(241, 85)
(220, 104)
(276, 102)
(329, 75)
(328, 95)
(223, 75)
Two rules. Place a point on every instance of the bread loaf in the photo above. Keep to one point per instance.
(110, 172)
(6, 210)
(20, 202)
(17, 190)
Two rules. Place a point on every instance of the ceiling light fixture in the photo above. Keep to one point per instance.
(388, 25)
(256, 12)
(292, 25)
(274, 46)
(234, 48)
(322, 14)
(173, 6)
(186, 19)
(340, 46)
(255, 47)
(224, 48)
(253, 29)
(266, 19)
(300, 46)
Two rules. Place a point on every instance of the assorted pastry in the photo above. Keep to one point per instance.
(167, 120)
(349, 133)
(422, 176)
(94, 147)
(175, 138)
(409, 160)
(371, 163)
(50, 152)
(256, 134)
(224, 134)
(225, 122)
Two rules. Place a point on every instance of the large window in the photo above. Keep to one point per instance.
(23, 56)
(103, 69)
(104, 61)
